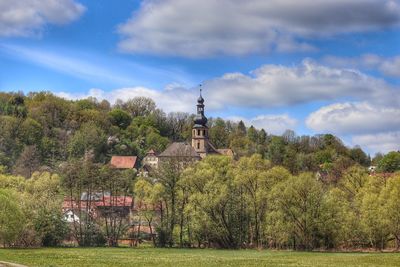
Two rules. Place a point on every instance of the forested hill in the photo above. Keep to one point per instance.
(40, 130)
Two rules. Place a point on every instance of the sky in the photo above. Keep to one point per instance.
(312, 66)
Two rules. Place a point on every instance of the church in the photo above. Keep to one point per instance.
(199, 148)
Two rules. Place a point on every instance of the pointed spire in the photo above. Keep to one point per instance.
(200, 100)
(200, 119)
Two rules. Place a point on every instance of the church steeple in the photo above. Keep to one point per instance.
(200, 119)
(200, 130)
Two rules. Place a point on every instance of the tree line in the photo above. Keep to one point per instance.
(288, 191)
(248, 203)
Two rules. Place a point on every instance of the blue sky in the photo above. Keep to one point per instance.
(314, 66)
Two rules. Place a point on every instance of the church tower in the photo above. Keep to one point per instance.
(200, 141)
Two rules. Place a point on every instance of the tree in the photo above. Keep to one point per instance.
(148, 198)
(80, 182)
(139, 106)
(359, 156)
(213, 202)
(120, 118)
(168, 176)
(353, 180)
(252, 134)
(389, 197)
(296, 210)
(390, 162)
(276, 150)
(262, 136)
(241, 128)
(45, 193)
(116, 184)
(371, 219)
(88, 138)
(219, 134)
(11, 216)
(28, 162)
(31, 132)
(251, 175)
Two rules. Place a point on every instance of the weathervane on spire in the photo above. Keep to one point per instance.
(201, 89)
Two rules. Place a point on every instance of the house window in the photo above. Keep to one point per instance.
(198, 145)
(198, 132)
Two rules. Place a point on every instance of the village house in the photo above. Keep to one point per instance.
(101, 204)
(124, 162)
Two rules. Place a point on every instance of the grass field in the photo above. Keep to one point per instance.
(94, 257)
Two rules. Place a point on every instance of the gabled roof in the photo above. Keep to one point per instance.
(226, 152)
(115, 202)
(151, 152)
(179, 149)
(123, 162)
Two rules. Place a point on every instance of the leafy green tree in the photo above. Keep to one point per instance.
(11, 216)
(353, 180)
(389, 197)
(117, 184)
(252, 134)
(340, 220)
(31, 132)
(359, 156)
(28, 162)
(213, 202)
(251, 175)
(168, 176)
(296, 210)
(80, 182)
(241, 129)
(276, 150)
(262, 136)
(120, 118)
(88, 138)
(372, 221)
(148, 196)
(390, 162)
(139, 106)
(219, 134)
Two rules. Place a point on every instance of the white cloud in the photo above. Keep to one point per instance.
(273, 124)
(374, 127)
(354, 118)
(274, 85)
(270, 86)
(194, 28)
(389, 66)
(381, 142)
(28, 17)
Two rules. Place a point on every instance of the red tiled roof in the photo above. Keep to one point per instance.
(115, 202)
(123, 162)
(105, 202)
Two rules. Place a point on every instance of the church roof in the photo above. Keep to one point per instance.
(179, 149)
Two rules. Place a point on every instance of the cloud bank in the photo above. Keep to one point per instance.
(29, 17)
(389, 66)
(192, 28)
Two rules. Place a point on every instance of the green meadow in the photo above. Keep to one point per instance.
(85, 257)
